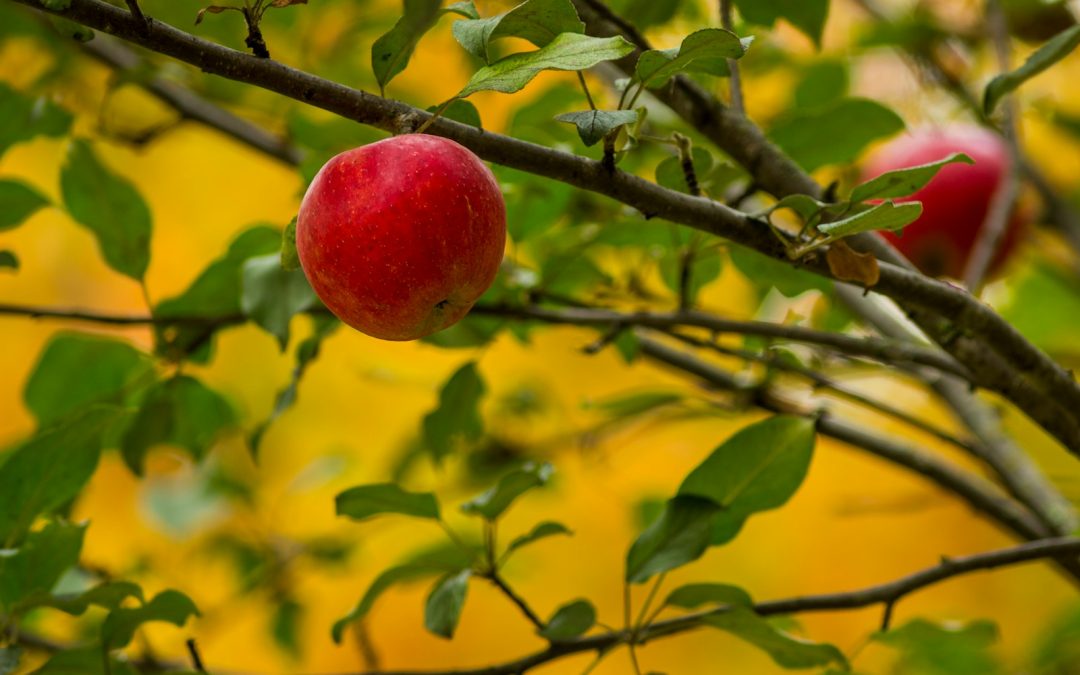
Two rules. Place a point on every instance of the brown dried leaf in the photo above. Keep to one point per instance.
(213, 9)
(850, 265)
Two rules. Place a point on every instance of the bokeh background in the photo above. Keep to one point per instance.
(257, 545)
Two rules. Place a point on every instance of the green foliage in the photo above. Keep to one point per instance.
(625, 406)
(538, 21)
(692, 596)
(84, 661)
(708, 45)
(568, 51)
(270, 296)
(365, 501)
(807, 15)
(757, 469)
(766, 272)
(168, 606)
(903, 182)
(8, 260)
(492, 503)
(456, 420)
(1055, 49)
(787, 651)
(1043, 303)
(548, 528)
(49, 470)
(110, 207)
(884, 216)
(442, 611)
(290, 258)
(18, 201)
(821, 82)
(391, 52)
(462, 111)
(569, 621)
(850, 124)
(109, 371)
(1058, 648)
(108, 595)
(180, 411)
(23, 118)
(593, 125)
(939, 649)
(32, 570)
(680, 535)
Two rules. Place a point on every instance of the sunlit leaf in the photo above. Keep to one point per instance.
(538, 21)
(657, 66)
(903, 182)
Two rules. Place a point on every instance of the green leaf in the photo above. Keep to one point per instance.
(678, 536)
(23, 118)
(429, 563)
(365, 501)
(903, 182)
(84, 661)
(461, 111)
(491, 504)
(391, 52)
(1043, 303)
(656, 66)
(18, 201)
(646, 13)
(805, 206)
(270, 296)
(670, 174)
(821, 82)
(849, 124)
(108, 372)
(538, 21)
(568, 51)
(168, 606)
(759, 468)
(786, 650)
(807, 15)
(215, 293)
(34, 567)
(181, 412)
(569, 621)
(8, 260)
(442, 611)
(48, 470)
(593, 125)
(692, 596)
(108, 595)
(110, 207)
(285, 627)
(306, 352)
(638, 403)
(884, 216)
(767, 272)
(548, 528)
(290, 258)
(939, 649)
(457, 419)
(628, 345)
(1055, 49)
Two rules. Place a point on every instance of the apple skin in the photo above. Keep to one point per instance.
(955, 202)
(399, 238)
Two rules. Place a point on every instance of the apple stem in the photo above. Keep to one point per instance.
(435, 115)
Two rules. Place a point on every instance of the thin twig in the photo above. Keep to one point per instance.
(516, 599)
(734, 78)
(196, 658)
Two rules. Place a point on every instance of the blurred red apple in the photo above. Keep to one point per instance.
(401, 237)
(955, 202)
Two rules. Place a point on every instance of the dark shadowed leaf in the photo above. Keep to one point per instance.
(271, 296)
(593, 125)
(807, 15)
(169, 606)
(365, 501)
(48, 470)
(757, 469)
(538, 21)
(679, 535)
(456, 420)
(657, 66)
(18, 201)
(491, 504)
(568, 51)
(569, 621)
(84, 661)
(850, 124)
(108, 595)
(110, 207)
(181, 412)
(442, 611)
(1055, 49)
(32, 569)
(391, 52)
(786, 650)
(461, 111)
(8, 260)
(903, 182)
(692, 596)
(109, 371)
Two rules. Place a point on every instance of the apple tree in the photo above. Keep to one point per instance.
(649, 163)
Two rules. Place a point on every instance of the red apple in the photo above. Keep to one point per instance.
(401, 237)
(955, 202)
